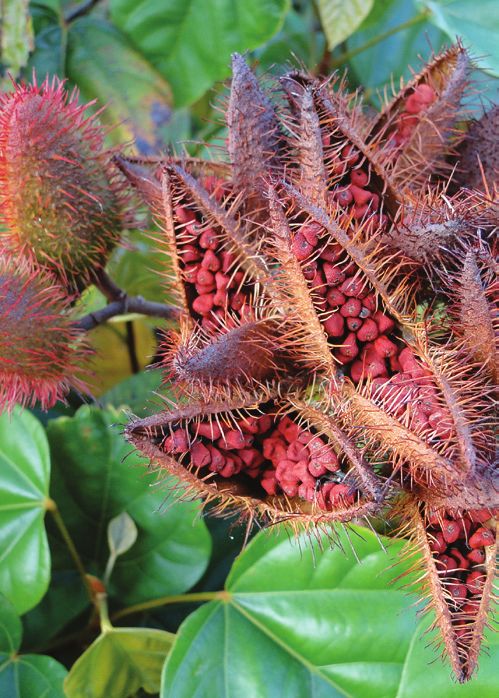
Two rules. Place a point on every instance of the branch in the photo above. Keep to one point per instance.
(80, 10)
(128, 304)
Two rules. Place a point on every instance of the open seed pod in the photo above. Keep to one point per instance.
(277, 461)
(458, 552)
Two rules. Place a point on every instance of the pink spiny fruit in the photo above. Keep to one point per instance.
(60, 199)
(40, 346)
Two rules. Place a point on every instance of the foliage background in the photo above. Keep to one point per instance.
(292, 618)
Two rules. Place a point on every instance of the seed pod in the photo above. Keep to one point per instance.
(53, 162)
(40, 347)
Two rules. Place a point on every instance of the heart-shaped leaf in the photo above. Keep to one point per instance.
(340, 19)
(95, 479)
(24, 483)
(25, 675)
(191, 43)
(300, 619)
(120, 662)
(105, 66)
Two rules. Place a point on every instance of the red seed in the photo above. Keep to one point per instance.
(190, 273)
(445, 564)
(250, 457)
(351, 308)
(437, 543)
(210, 261)
(264, 423)
(477, 556)
(385, 323)
(220, 298)
(274, 449)
(335, 325)
(385, 347)
(200, 455)
(349, 346)
(361, 196)
(312, 232)
(249, 425)
(353, 287)
(230, 467)
(364, 313)
(301, 247)
(413, 105)
(316, 468)
(206, 278)
(332, 252)
(184, 215)
(368, 332)
(369, 302)
(462, 562)
(354, 323)
(480, 515)
(309, 270)
(425, 93)
(335, 297)
(237, 301)
(288, 429)
(407, 359)
(210, 430)
(359, 178)
(350, 154)
(189, 253)
(221, 281)
(208, 239)
(234, 439)
(341, 495)
(203, 304)
(218, 460)
(475, 582)
(203, 290)
(481, 537)
(343, 197)
(269, 482)
(458, 591)
(297, 451)
(334, 274)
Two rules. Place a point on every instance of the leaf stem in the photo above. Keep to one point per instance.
(51, 506)
(128, 304)
(166, 600)
(347, 55)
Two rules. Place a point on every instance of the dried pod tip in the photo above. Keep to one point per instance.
(40, 349)
(60, 198)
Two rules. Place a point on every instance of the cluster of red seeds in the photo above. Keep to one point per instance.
(458, 546)
(277, 452)
(352, 190)
(213, 285)
(420, 99)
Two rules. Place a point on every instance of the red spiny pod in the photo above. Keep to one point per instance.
(40, 346)
(60, 199)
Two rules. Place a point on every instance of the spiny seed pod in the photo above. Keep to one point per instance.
(371, 273)
(40, 348)
(60, 201)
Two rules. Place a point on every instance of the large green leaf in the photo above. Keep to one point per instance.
(477, 24)
(118, 663)
(102, 63)
(135, 392)
(340, 19)
(301, 619)
(24, 484)
(94, 481)
(190, 41)
(25, 675)
(391, 57)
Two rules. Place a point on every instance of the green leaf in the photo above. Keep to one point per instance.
(24, 483)
(190, 41)
(49, 55)
(30, 675)
(105, 66)
(418, 679)
(375, 67)
(340, 19)
(121, 534)
(134, 392)
(302, 619)
(65, 599)
(96, 477)
(16, 35)
(25, 675)
(476, 24)
(10, 627)
(118, 663)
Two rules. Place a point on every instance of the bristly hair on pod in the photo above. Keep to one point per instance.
(61, 200)
(41, 349)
